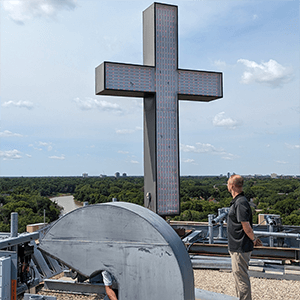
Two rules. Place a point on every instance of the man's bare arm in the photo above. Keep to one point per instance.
(110, 293)
(249, 231)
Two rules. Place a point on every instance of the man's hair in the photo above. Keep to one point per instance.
(237, 180)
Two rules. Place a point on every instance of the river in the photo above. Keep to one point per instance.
(66, 202)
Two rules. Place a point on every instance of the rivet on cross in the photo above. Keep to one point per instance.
(161, 84)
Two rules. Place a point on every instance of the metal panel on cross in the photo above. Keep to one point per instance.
(161, 84)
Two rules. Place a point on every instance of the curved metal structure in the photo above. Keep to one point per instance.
(134, 244)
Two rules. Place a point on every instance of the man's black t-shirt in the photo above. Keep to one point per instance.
(240, 211)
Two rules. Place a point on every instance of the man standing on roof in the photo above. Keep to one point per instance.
(241, 238)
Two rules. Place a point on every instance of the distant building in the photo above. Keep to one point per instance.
(117, 174)
(274, 175)
(103, 176)
(260, 176)
(85, 175)
(124, 174)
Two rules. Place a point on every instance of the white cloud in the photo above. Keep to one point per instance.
(124, 131)
(134, 162)
(123, 152)
(221, 121)
(35, 148)
(19, 104)
(47, 145)
(292, 146)
(7, 133)
(62, 157)
(270, 73)
(128, 131)
(207, 148)
(220, 64)
(41, 145)
(90, 103)
(188, 160)
(200, 148)
(21, 11)
(10, 154)
(282, 162)
(228, 156)
(187, 148)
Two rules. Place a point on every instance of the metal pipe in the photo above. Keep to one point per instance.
(14, 224)
(278, 234)
(219, 218)
(286, 253)
(210, 229)
(269, 220)
(221, 230)
(271, 238)
(22, 238)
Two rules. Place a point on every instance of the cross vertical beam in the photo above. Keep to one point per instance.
(160, 42)
(161, 84)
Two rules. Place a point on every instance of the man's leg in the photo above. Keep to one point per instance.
(240, 263)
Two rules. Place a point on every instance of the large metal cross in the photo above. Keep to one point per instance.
(161, 84)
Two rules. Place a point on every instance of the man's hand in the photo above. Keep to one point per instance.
(249, 231)
(257, 242)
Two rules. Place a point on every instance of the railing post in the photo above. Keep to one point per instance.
(13, 224)
(210, 229)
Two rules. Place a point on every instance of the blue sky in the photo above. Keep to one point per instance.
(53, 124)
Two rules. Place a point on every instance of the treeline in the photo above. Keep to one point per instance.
(200, 196)
(29, 205)
(45, 186)
(29, 197)
(101, 190)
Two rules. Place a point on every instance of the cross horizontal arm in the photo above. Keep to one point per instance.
(124, 79)
(199, 85)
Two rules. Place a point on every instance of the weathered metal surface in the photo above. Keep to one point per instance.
(74, 287)
(26, 237)
(5, 278)
(131, 242)
(161, 84)
(262, 252)
(210, 262)
(47, 267)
